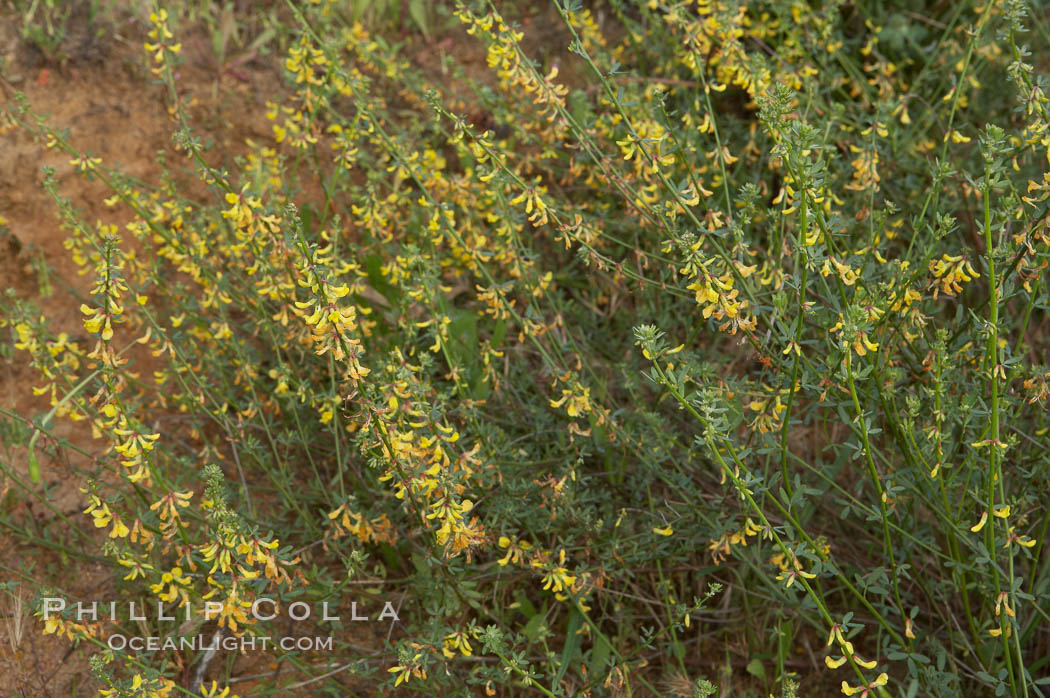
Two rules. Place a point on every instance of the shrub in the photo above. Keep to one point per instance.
(718, 337)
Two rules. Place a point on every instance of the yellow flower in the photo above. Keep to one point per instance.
(579, 401)
(951, 272)
(119, 530)
(515, 550)
(834, 663)
(85, 163)
(457, 640)
(406, 671)
(214, 692)
(1002, 602)
(865, 691)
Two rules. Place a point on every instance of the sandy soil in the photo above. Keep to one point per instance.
(104, 96)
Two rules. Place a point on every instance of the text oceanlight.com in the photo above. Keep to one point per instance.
(199, 643)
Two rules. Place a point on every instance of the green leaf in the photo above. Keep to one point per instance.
(499, 333)
(524, 605)
(532, 628)
(756, 669)
(599, 656)
(417, 10)
(573, 639)
(34, 466)
(373, 268)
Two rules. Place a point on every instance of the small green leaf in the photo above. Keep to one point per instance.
(573, 639)
(599, 656)
(417, 9)
(755, 668)
(524, 605)
(532, 628)
(34, 466)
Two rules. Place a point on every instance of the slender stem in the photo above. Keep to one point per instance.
(874, 473)
(803, 234)
(994, 452)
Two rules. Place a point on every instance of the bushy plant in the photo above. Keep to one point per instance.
(711, 351)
